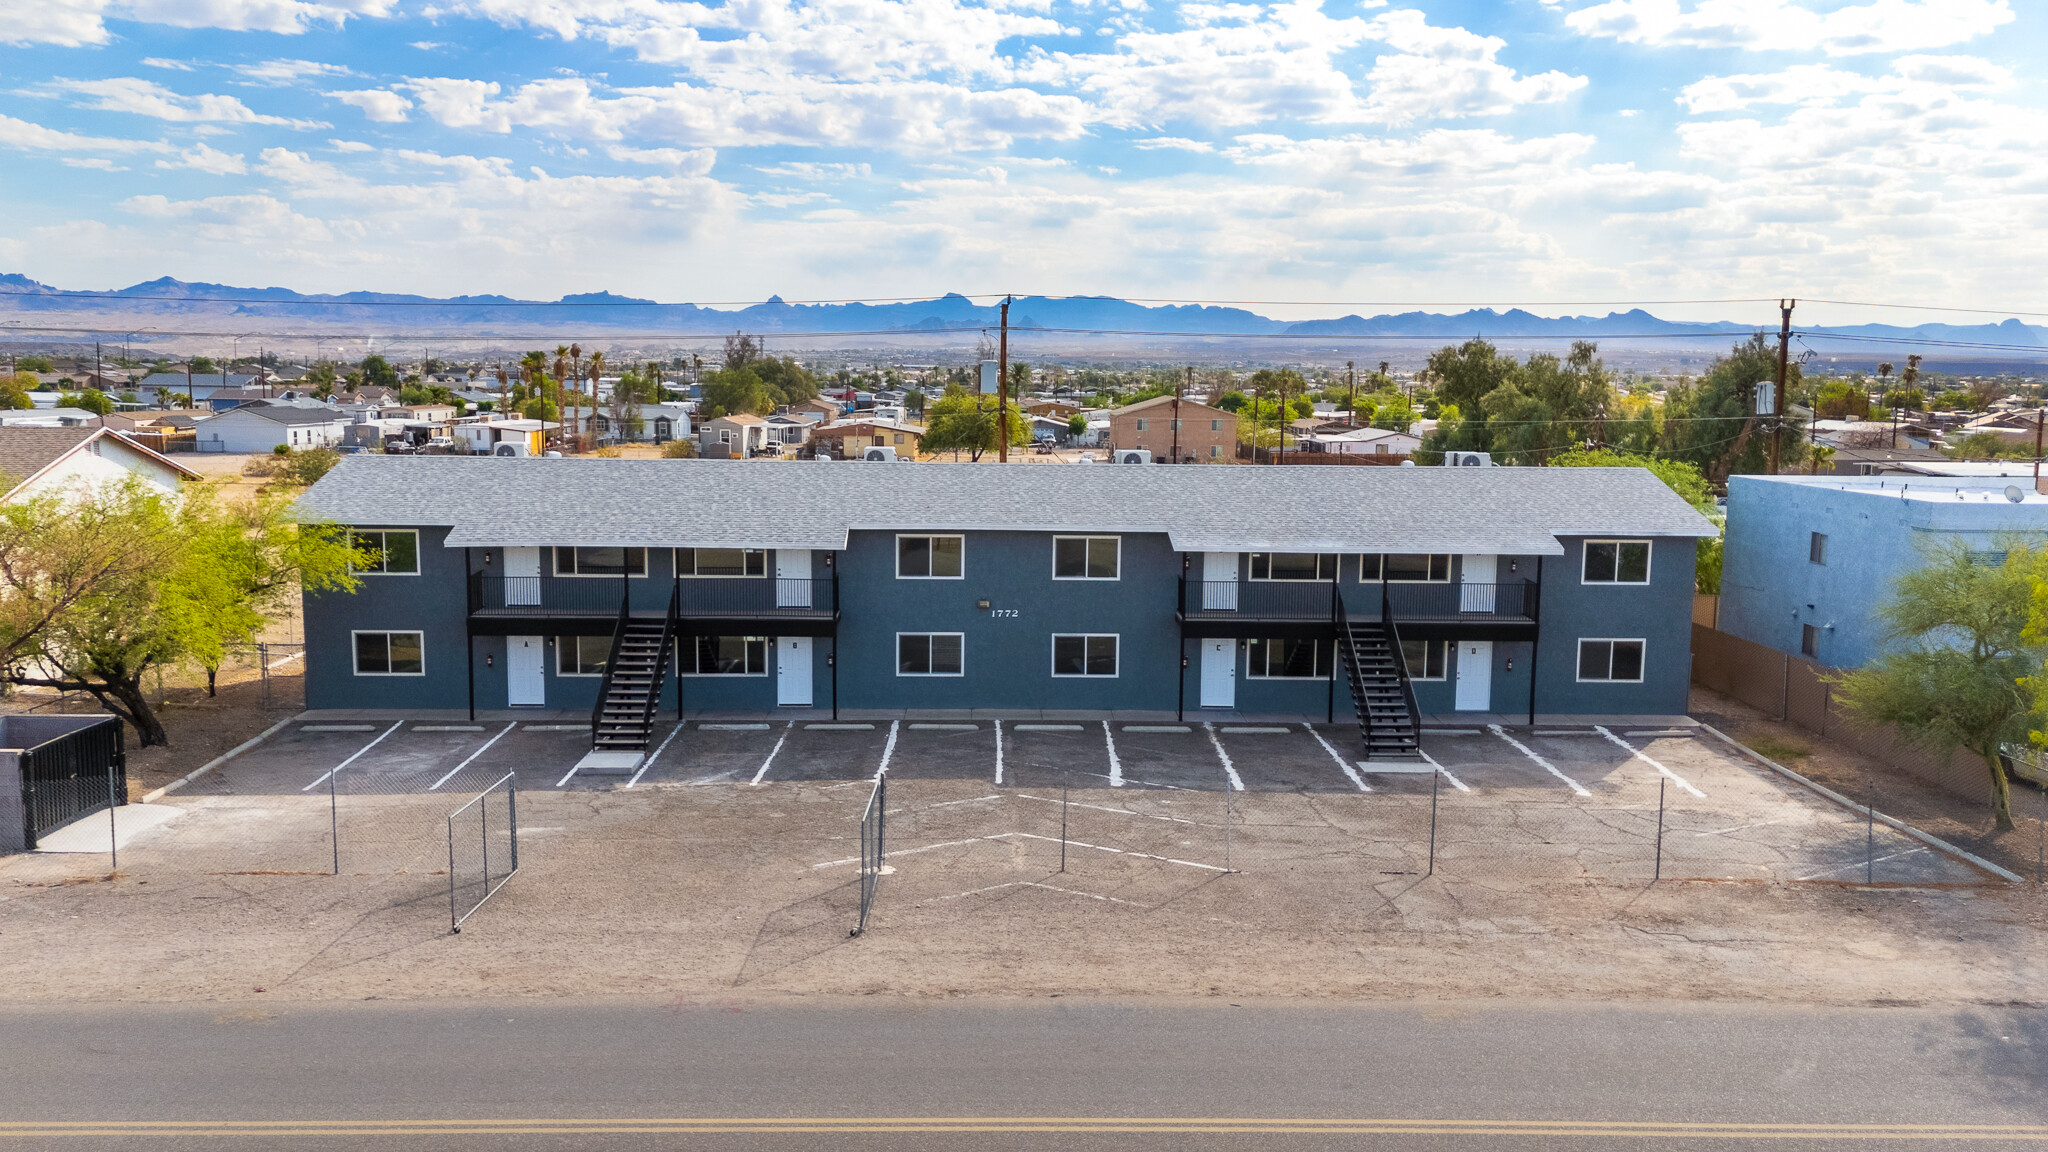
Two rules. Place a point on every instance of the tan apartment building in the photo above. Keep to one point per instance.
(1205, 434)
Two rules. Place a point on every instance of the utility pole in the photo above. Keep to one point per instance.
(1351, 395)
(1175, 458)
(2039, 417)
(1279, 417)
(1003, 387)
(1784, 354)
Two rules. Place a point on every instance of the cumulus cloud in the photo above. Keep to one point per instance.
(1844, 30)
(351, 146)
(145, 98)
(74, 23)
(282, 72)
(696, 161)
(380, 105)
(201, 158)
(28, 137)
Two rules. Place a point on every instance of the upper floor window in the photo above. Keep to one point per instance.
(1215, 425)
(1293, 566)
(721, 562)
(929, 557)
(1817, 548)
(1405, 567)
(1141, 423)
(395, 552)
(600, 561)
(1617, 562)
(1085, 557)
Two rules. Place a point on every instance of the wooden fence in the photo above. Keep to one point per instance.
(1796, 690)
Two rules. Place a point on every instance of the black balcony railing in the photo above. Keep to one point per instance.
(1311, 600)
(714, 596)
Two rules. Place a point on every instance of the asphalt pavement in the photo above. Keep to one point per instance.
(1018, 1074)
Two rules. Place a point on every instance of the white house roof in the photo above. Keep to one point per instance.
(580, 501)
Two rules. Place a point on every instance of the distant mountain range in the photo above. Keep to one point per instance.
(282, 310)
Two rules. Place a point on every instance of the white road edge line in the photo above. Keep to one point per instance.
(1928, 839)
(1229, 769)
(1547, 766)
(999, 752)
(888, 750)
(473, 755)
(657, 754)
(1645, 758)
(1116, 766)
(1455, 782)
(759, 776)
(352, 759)
(1341, 762)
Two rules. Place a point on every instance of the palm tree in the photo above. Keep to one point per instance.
(596, 370)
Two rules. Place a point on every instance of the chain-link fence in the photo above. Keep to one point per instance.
(873, 848)
(483, 848)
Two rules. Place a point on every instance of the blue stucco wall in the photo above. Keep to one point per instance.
(435, 602)
(1878, 529)
(1658, 613)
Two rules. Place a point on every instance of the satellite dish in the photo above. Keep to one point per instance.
(2013, 493)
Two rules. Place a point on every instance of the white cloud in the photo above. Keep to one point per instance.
(171, 65)
(1177, 143)
(145, 98)
(20, 134)
(695, 161)
(204, 159)
(65, 23)
(1844, 30)
(1816, 85)
(427, 45)
(378, 104)
(351, 146)
(99, 163)
(74, 23)
(282, 72)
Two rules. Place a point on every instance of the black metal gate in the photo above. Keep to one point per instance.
(74, 775)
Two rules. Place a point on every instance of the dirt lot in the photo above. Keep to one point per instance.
(1204, 861)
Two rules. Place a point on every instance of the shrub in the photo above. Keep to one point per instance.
(679, 449)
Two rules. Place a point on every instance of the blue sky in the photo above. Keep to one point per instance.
(1531, 150)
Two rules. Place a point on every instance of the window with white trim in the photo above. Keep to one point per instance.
(397, 552)
(1426, 659)
(721, 562)
(725, 655)
(600, 561)
(1617, 562)
(390, 653)
(930, 653)
(1405, 567)
(1289, 659)
(581, 655)
(1086, 557)
(1084, 655)
(1614, 661)
(1293, 566)
(929, 557)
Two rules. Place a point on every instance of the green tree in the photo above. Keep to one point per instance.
(320, 380)
(92, 400)
(1962, 677)
(1077, 425)
(1840, 400)
(1465, 374)
(377, 372)
(1987, 446)
(1233, 401)
(34, 364)
(966, 422)
(1712, 423)
(731, 391)
(787, 381)
(203, 366)
(1907, 399)
(14, 391)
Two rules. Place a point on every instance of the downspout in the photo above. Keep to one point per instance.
(1533, 641)
(469, 636)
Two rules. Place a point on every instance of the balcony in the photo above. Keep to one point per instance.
(1289, 607)
(706, 605)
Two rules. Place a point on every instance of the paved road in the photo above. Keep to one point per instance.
(840, 1074)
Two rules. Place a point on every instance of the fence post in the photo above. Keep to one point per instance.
(1063, 826)
(334, 821)
(263, 674)
(1433, 786)
(1869, 830)
(113, 834)
(1229, 806)
(512, 819)
(1658, 874)
(454, 923)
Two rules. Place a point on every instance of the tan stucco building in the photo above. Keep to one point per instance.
(1206, 434)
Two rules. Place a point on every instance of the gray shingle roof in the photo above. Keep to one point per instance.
(500, 501)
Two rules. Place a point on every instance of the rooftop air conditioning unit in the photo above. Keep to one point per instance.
(1467, 460)
(509, 448)
(1134, 456)
(886, 455)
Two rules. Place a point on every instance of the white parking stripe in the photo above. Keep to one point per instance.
(1229, 769)
(1116, 766)
(888, 750)
(999, 751)
(1576, 787)
(1645, 758)
(350, 760)
(1341, 762)
(657, 754)
(772, 751)
(1455, 782)
(471, 756)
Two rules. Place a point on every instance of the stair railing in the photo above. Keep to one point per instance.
(1353, 677)
(668, 639)
(1393, 634)
(611, 661)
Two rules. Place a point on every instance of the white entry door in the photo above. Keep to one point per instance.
(526, 681)
(1475, 583)
(793, 671)
(522, 576)
(1219, 583)
(1219, 673)
(793, 579)
(1475, 676)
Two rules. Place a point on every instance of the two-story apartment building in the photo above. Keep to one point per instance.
(1176, 431)
(1388, 593)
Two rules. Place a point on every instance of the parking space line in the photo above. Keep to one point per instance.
(771, 753)
(1102, 848)
(564, 781)
(1455, 782)
(999, 751)
(1096, 807)
(1645, 758)
(473, 755)
(1116, 766)
(1229, 769)
(351, 759)
(649, 763)
(888, 750)
(1342, 763)
(1547, 766)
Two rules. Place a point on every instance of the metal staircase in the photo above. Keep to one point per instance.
(641, 648)
(1380, 692)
